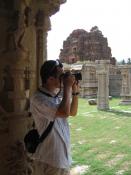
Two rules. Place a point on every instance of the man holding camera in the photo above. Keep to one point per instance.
(53, 154)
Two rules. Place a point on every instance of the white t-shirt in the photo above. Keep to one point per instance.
(55, 149)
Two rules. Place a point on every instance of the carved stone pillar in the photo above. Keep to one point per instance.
(102, 70)
(42, 26)
(126, 84)
(22, 51)
(89, 81)
(15, 56)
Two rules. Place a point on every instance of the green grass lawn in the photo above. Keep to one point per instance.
(101, 140)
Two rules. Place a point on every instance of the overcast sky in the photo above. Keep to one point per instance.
(111, 16)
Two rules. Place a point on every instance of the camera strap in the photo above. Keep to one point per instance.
(50, 126)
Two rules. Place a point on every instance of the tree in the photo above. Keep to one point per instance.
(129, 61)
(123, 62)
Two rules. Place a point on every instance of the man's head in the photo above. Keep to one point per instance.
(50, 68)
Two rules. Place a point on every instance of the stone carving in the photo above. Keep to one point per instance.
(27, 73)
(27, 78)
(28, 16)
(89, 80)
(7, 87)
(40, 28)
(15, 32)
(19, 162)
(39, 19)
(18, 22)
(17, 35)
(3, 120)
(8, 82)
(82, 45)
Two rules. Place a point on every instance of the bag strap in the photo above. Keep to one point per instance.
(50, 126)
(47, 131)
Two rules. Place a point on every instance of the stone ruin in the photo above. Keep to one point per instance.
(85, 46)
(91, 51)
(126, 84)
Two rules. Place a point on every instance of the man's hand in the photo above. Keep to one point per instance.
(75, 87)
(68, 80)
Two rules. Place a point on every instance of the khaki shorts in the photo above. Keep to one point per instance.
(45, 169)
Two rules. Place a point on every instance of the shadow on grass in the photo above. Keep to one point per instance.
(120, 113)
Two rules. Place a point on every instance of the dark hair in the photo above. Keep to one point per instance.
(49, 68)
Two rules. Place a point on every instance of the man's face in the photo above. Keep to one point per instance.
(57, 79)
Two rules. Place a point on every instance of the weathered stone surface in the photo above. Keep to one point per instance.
(23, 48)
(92, 101)
(102, 70)
(89, 84)
(126, 84)
(82, 45)
(115, 81)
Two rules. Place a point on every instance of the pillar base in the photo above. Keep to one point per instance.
(125, 102)
(103, 107)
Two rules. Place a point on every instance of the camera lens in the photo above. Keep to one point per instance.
(78, 76)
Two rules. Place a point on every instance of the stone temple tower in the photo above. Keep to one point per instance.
(81, 45)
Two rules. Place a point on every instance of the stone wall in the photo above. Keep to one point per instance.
(23, 33)
(89, 84)
(115, 85)
(115, 81)
(126, 84)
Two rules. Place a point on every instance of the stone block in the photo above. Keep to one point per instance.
(92, 101)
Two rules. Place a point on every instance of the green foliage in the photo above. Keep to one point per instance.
(102, 139)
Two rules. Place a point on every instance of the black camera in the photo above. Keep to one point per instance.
(78, 75)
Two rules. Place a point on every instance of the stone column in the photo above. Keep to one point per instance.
(102, 70)
(22, 51)
(16, 53)
(89, 81)
(126, 84)
(42, 26)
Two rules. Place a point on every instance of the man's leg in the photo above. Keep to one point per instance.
(45, 169)
(49, 170)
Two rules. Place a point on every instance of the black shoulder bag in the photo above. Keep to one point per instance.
(32, 138)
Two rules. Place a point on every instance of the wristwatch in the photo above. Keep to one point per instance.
(75, 93)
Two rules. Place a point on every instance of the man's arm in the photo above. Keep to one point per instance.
(65, 105)
(74, 103)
